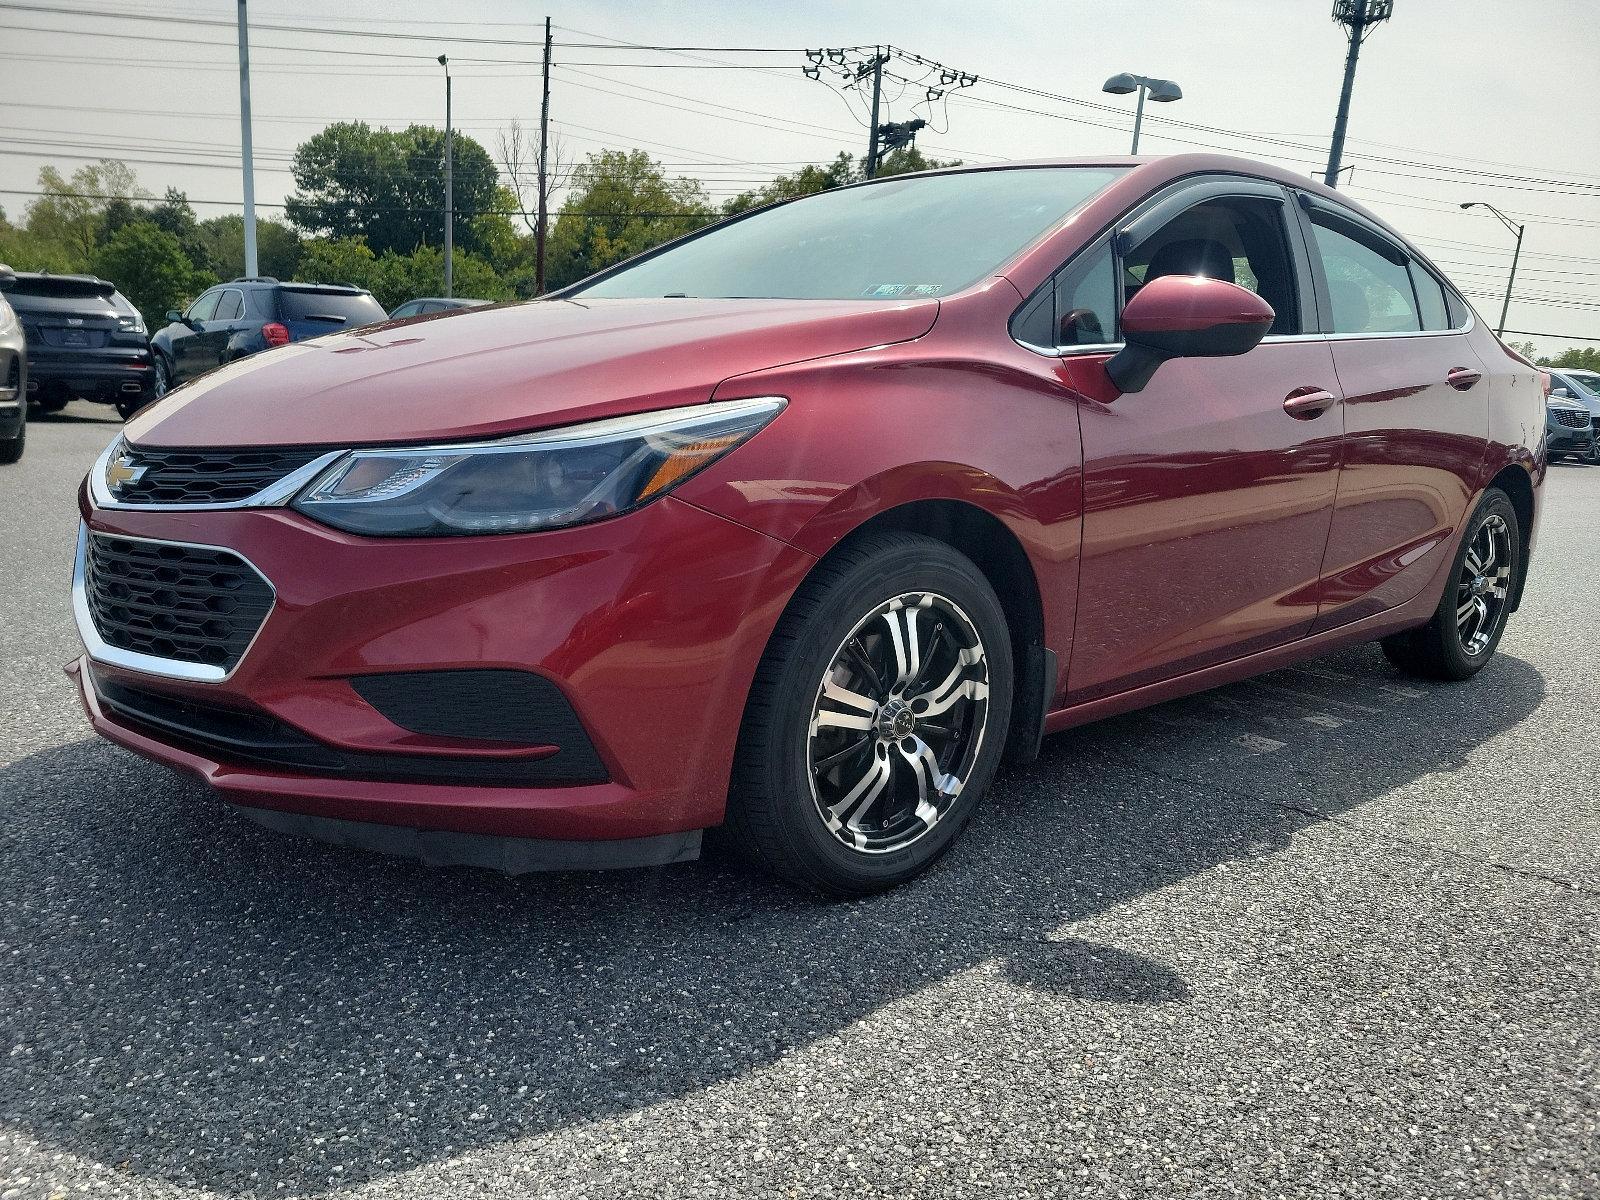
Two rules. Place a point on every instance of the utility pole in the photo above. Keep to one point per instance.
(1516, 253)
(851, 70)
(1358, 17)
(449, 185)
(246, 149)
(876, 66)
(544, 171)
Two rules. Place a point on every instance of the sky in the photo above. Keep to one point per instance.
(1455, 100)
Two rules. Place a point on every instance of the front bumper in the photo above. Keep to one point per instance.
(651, 625)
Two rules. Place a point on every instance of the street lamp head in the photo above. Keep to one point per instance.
(443, 61)
(1121, 85)
(1164, 91)
(1469, 203)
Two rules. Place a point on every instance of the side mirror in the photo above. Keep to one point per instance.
(1564, 393)
(174, 315)
(1185, 316)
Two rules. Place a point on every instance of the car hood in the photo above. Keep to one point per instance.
(486, 372)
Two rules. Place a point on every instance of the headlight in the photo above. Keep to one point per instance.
(541, 481)
(8, 318)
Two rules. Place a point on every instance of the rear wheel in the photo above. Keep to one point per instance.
(1472, 613)
(877, 718)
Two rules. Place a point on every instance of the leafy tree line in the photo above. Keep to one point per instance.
(367, 210)
(1586, 358)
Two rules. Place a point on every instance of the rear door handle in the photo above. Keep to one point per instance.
(1461, 378)
(1308, 403)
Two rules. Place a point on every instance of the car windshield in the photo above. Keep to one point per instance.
(916, 236)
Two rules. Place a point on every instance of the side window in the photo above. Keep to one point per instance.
(1430, 298)
(230, 307)
(1086, 301)
(202, 308)
(1238, 239)
(1369, 281)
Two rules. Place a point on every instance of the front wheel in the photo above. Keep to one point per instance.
(877, 718)
(11, 449)
(1472, 613)
(163, 378)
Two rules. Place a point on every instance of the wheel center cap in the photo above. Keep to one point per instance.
(896, 720)
(1480, 585)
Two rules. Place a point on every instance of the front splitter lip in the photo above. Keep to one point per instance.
(583, 812)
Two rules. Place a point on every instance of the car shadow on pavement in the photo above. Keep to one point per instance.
(210, 1004)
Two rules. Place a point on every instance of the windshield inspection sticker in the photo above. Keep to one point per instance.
(889, 291)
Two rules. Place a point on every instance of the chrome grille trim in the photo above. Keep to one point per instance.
(102, 651)
(274, 495)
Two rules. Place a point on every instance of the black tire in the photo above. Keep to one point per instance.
(162, 383)
(776, 805)
(1440, 649)
(52, 404)
(127, 408)
(11, 449)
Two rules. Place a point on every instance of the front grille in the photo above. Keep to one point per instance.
(189, 604)
(206, 476)
(1572, 418)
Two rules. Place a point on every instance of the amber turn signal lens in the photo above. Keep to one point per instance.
(686, 459)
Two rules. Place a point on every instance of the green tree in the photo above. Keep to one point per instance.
(618, 204)
(70, 214)
(277, 247)
(809, 180)
(149, 266)
(387, 186)
(1585, 358)
(338, 260)
(401, 277)
(1527, 349)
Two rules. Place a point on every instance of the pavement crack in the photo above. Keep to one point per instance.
(1319, 814)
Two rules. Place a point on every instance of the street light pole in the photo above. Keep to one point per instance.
(1516, 253)
(246, 150)
(449, 185)
(1162, 91)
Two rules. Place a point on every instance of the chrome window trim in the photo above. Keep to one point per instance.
(1270, 340)
(274, 495)
(168, 668)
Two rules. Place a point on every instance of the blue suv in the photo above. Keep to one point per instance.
(242, 316)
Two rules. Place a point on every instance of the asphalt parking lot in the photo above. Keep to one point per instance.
(1327, 933)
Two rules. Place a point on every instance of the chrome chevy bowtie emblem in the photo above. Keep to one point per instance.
(123, 470)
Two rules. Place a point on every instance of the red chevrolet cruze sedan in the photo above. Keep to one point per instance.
(801, 525)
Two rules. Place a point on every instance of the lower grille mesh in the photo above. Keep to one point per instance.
(189, 604)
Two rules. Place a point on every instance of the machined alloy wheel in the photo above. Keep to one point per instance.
(163, 383)
(877, 717)
(1471, 615)
(1483, 585)
(898, 722)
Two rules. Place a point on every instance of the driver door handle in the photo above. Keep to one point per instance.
(1308, 403)
(1461, 378)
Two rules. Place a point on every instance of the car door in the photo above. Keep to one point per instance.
(227, 320)
(1207, 497)
(1416, 414)
(188, 346)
